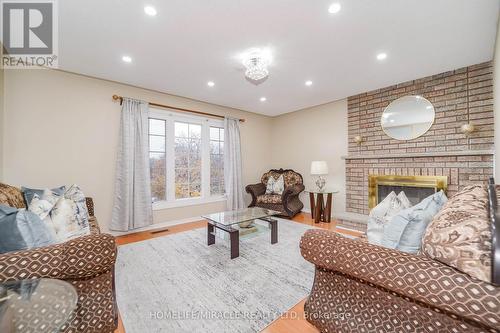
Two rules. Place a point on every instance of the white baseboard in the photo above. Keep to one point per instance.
(159, 225)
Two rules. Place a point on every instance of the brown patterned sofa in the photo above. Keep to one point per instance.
(86, 262)
(360, 287)
(287, 203)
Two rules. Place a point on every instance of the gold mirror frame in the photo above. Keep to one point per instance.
(429, 107)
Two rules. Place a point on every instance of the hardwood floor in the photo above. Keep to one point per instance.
(293, 320)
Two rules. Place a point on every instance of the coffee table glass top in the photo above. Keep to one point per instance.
(239, 216)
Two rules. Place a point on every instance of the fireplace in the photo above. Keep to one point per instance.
(416, 188)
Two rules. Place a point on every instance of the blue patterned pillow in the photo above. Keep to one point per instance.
(29, 193)
(21, 230)
(406, 229)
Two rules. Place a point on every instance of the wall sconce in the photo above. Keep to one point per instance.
(468, 129)
(358, 139)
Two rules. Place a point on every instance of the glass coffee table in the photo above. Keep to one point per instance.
(226, 221)
(38, 305)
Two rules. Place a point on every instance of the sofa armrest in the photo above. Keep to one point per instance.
(292, 191)
(416, 277)
(79, 258)
(255, 190)
(90, 206)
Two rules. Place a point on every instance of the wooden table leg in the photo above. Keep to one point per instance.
(234, 236)
(274, 231)
(311, 202)
(328, 210)
(319, 208)
(210, 234)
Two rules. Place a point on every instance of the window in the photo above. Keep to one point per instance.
(187, 160)
(186, 156)
(157, 160)
(216, 160)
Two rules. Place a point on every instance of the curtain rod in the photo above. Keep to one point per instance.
(120, 98)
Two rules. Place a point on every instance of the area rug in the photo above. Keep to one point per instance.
(179, 284)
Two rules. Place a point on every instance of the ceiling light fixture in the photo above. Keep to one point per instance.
(150, 10)
(210, 83)
(381, 56)
(263, 99)
(334, 8)
(256, 62)
(309, 83)
(127, 59)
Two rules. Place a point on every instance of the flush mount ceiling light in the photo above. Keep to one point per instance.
(263, 99)
(381, 56)
(309, 83)
(256, 62)
(334, 8)
(150, 10)
(210, 83)
(127, 59)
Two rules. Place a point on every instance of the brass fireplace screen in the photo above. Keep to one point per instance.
(436, 183)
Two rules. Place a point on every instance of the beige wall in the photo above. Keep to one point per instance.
(317, 133)
(62, 128)
(496, 102)
(2, 102)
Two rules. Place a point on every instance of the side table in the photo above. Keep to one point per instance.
(321, 209)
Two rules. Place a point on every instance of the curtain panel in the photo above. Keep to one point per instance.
(232, 164)
(132, 207)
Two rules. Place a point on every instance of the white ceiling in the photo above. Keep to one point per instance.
(191, 42)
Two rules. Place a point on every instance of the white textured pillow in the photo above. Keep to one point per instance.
(381, 214)
(42, 205)
(275, 186)
(65, 220)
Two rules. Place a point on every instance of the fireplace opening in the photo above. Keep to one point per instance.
(416, 188)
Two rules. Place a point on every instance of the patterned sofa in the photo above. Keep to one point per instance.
(288, 203)
(360, 287)
(86, 262)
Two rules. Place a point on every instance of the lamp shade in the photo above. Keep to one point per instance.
(319, 168)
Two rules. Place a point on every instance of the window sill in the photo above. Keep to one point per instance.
(159, 205)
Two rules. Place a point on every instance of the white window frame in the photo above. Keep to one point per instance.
(170, 118)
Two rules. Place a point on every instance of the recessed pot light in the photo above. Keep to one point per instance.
(309, 83)
(263, 99)
(127, 59)
(381, 56)
(334, 8)
(210, 83)
(150, 10)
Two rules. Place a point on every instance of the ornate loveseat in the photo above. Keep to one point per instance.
(360, 287)
(86, 262)
(288, 203)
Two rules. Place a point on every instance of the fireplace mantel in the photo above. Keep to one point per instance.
(427, 154)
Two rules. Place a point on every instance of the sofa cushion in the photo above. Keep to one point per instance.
(11, 196)
(269, 199)
(381, 214)
(406, 229)
(460, 234)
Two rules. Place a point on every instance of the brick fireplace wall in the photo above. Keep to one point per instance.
(460, 96)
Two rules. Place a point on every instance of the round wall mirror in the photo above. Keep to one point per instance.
(408, 117)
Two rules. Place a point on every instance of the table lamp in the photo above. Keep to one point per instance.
(319, 168)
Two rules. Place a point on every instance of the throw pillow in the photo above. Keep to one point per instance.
(11, 196)
(75, 194)
(22, 230)
(41, 205)
(275, 186)
(460, 234)
(406, 229)
(28, 193)
(382, 214)
(64, 217)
